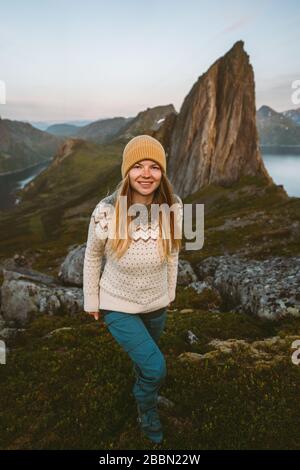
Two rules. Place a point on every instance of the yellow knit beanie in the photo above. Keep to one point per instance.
(142, 147)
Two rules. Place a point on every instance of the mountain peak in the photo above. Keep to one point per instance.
(266, 111)
(147, 121)
(214, 138)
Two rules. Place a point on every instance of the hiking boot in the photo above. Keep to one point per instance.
(150, 424)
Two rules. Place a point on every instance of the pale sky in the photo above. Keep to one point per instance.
(64, 60)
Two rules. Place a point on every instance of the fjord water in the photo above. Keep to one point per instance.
(285, 170)
(17, 180)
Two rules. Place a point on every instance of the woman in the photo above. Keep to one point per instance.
(138, 282)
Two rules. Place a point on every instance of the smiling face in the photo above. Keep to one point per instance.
(145, 177)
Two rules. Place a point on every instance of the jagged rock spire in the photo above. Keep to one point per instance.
(214, 138)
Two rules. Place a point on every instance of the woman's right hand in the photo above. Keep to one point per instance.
(95, 314)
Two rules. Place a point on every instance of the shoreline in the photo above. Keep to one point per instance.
(280, 149)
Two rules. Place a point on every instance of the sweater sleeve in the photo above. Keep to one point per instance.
(95, 245)
(173, 261)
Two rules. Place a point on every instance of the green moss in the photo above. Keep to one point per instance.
(80, 379)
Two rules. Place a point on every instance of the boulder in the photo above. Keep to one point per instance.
(26, 293)
(266, 288)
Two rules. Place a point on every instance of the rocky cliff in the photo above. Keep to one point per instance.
(214, 137)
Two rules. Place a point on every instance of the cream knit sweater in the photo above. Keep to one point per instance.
(139, 281)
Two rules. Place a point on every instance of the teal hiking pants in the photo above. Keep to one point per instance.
(138, 335)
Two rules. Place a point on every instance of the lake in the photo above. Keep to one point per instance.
(10, 183)
(284, 169)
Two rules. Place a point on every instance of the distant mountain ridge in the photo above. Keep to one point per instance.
(117, 128)
(64, 130)
(45, 125)
(293, 114)
(278, 128)
(22, 145)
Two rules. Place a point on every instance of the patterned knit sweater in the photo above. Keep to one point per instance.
(139, 281)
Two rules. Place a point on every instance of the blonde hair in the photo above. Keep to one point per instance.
(163, 194)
